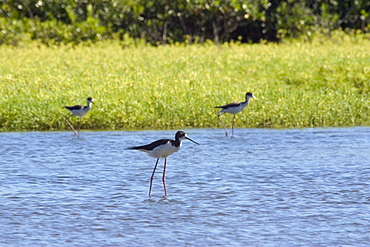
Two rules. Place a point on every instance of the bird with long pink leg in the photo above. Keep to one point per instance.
(79, 111)
(161, 149)
(233, 108)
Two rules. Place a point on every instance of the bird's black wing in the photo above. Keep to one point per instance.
(75, 107)
(151, 146)
(228, 105)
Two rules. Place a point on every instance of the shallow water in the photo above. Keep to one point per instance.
(302, 187)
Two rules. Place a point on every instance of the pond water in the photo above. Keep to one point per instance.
(301, 187)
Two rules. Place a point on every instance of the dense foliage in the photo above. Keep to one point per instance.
(169, 21)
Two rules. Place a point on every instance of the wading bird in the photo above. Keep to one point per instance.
(233, 108)
(162, 149)
(79, 111)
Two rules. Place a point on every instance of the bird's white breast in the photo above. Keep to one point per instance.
(163, 151)
(235, 109)
(81, 112)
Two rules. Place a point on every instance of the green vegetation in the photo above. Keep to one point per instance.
(167, 22)
(322, 83)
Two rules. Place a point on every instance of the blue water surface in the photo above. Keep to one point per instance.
(300, 187)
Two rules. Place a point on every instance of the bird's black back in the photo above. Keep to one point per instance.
(75, 107)
(228, 105)
(152, 145)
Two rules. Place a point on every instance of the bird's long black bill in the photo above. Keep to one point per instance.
(192, 140)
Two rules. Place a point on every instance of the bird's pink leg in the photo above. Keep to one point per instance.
(152, 177)
(233, 126)
(79, 127)
(223, 125)
(70, 125)
(164, 177)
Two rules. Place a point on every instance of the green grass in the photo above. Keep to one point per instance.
(173, 87)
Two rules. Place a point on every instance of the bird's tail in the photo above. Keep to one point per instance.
(134, 148)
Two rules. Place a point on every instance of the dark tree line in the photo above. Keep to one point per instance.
(169, 21)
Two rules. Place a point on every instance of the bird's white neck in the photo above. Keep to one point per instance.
(247, 100)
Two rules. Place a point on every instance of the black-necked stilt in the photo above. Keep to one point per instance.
(162, 149)
(79, 111)
(233, 108)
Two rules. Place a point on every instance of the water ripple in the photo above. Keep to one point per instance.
(263, 187)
